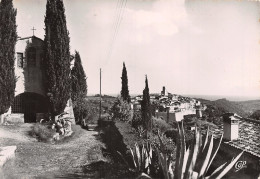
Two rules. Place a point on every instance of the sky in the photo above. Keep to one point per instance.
(202, 47)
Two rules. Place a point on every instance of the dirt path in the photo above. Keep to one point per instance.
(36, 159)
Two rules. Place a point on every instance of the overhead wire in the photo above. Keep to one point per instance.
(120, 8)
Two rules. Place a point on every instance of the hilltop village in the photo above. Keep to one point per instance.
(171, 107)
(51, 128)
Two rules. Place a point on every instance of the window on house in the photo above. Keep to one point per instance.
(20, 60)
(31, 56)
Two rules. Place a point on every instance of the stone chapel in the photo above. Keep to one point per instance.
(30, 103)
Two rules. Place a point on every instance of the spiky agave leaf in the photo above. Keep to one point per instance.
(206, 139)
(138, 156)
(193, 156)
(178, 154)
(217, 170)
(205, 163)
(224, 171)
(163, 163)
(133, 157)
(213, 156)
(185, 160)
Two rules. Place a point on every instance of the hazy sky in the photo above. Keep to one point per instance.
(207, 47)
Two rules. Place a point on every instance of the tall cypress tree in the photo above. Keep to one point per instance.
(57, 56)
(78, 88)
(146, 107)
(8, 38)
(78, 79)
(124, 91)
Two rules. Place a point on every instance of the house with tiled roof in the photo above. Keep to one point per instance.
(239, 135)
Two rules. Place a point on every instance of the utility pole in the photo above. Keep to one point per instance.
(100, 97)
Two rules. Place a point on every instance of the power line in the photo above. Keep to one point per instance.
(116, 26)
(117, 10)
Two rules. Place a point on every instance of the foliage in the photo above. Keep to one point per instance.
(78, 79)
(137, 119)
(44, 132)
(81, 110)
(8, 37)
(124, 91)
(256, 115)
(112, 139)
(219, 107)
(194, 162)
(142, 157)
(79, 90)
(56, 56)
(146, 108)
(120, 110)
(160, 124)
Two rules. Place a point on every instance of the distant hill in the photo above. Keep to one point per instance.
(249, 106)
(221, 106)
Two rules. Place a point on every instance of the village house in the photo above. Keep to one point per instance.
(30, 102)
(239, 135)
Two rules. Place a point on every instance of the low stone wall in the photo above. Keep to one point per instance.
(174, 116)
(14, 118)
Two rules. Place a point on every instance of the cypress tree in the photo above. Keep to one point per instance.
(146, 107)
(124, 91)
(57, 56)
(78, 88)
(8, 38)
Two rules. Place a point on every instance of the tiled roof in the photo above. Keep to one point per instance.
(249, 137)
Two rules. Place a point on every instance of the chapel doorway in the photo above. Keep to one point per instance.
(30, 104)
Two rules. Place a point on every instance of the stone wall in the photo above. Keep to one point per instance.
(177, 116)
(14, 118)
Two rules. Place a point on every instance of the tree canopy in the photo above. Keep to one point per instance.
(78, 89)
(124, 91)
(57, 56)
(8, 38)
(146, 107)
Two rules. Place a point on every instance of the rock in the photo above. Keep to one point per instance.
(6, 153)
(56, 136)
(91, 127)
(68, 134)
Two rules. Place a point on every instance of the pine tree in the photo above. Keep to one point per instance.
(146, 108)
(57, 56)
(8, 38)
(78, 88)
(124, 91)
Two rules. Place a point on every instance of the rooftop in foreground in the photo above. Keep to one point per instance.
(248, 140)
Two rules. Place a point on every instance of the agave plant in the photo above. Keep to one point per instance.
(194, 162)
(142, 157)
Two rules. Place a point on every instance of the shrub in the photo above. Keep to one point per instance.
(120, 110)
(81, 110)
(137, 120)
(160, 124)
(44, 132)
(113, 139)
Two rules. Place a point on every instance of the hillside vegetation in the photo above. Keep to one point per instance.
(256, 115)
(249, 106)
(221, 106)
